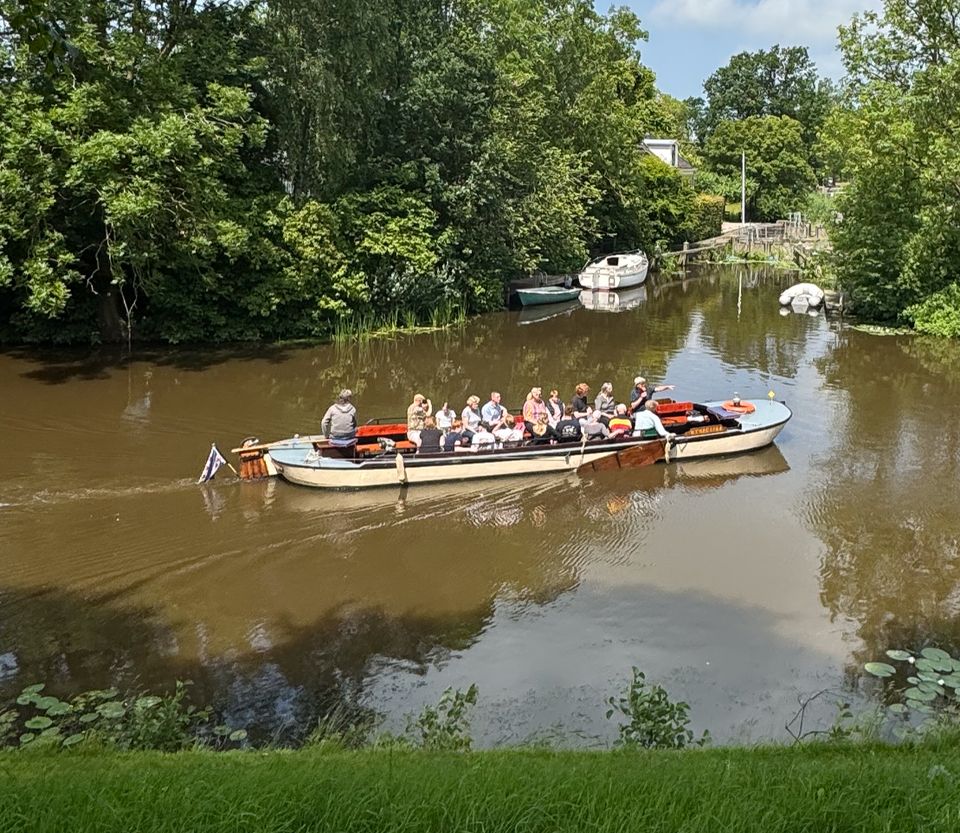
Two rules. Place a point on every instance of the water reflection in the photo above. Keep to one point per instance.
(534, 315)
(892, 560)
(737, 582)
(619, 301)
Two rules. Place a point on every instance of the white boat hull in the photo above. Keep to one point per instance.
(615, 272)
(463, 465)
(297, 463)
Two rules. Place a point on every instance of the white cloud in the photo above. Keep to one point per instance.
(811, 23)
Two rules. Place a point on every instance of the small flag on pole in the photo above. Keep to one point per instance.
(214, 461)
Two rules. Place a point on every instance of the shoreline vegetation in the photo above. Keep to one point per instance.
(766, 789)
(232, 173)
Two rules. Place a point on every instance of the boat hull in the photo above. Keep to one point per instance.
(546, 295)
(464, 465)
(615, 272)
(298, 462)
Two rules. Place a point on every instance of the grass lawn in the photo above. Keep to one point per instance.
(765, 789)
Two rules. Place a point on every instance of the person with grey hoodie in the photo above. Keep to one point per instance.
(339, 423)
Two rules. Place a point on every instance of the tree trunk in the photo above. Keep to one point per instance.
(109, 322)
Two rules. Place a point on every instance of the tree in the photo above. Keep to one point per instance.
(778, 173)
(897, 244)
(775, 82)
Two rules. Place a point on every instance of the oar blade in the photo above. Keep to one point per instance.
(632, 457)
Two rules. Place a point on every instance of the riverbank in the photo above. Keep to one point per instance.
(770, 789)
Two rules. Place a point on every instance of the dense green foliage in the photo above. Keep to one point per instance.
(773, 790)
(267, 168)
(898, 245)
(781, 81)
(706, 221)
(771, 105)
(779, 178)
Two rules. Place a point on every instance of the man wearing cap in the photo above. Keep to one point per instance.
(339, 423)
(641, 393)
(419, 410)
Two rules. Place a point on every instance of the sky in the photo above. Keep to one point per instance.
(689, 39)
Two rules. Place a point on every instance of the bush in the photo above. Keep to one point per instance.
(706, 218)
(938, 314)
(653, 720)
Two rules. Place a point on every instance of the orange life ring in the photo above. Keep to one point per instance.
(741, 408)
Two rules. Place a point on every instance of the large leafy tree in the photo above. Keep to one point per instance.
(779, 177)
(898, 246)
(186, 169)
(780, 81)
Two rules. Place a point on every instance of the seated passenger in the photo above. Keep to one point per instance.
(647, 424)
(579, 401)
(430, 437)
(541, 433)
(445, 417)
(568, 429)
(494, 415)
(554, 408)
(482, 438)
(620, 423)
(454, 438)
(418, 411)
(509, 433)
(471, 416)
(534, 408)
(593, 427)
(605, 405)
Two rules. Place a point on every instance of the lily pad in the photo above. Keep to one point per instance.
(931, 688)
(112, 710)
(897, 708)
(927, 665)
(26, 737)
(935, 654)
(902, 656)
(27, 699)
(880, 669)
(148, 702)
(952, 680)
(45, 703)
(238, 735)
(920, 694)
(59, 709)
(70, 740)
(36, 688)
(38, 722)
(89, 717)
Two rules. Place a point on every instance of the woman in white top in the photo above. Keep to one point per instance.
(471, 415)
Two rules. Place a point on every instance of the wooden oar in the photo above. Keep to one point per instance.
(632, 457)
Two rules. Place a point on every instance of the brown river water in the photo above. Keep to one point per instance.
(740, 583)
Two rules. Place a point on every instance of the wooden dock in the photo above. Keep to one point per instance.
(800, 238)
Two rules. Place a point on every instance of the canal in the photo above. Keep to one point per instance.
(740, 584)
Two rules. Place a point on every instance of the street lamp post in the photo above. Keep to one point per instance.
(743, 187)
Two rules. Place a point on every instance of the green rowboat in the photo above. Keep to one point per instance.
(546, 295)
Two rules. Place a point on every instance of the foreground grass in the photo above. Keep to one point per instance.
(770, 790)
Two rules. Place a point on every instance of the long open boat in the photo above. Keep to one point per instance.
(383, 456)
